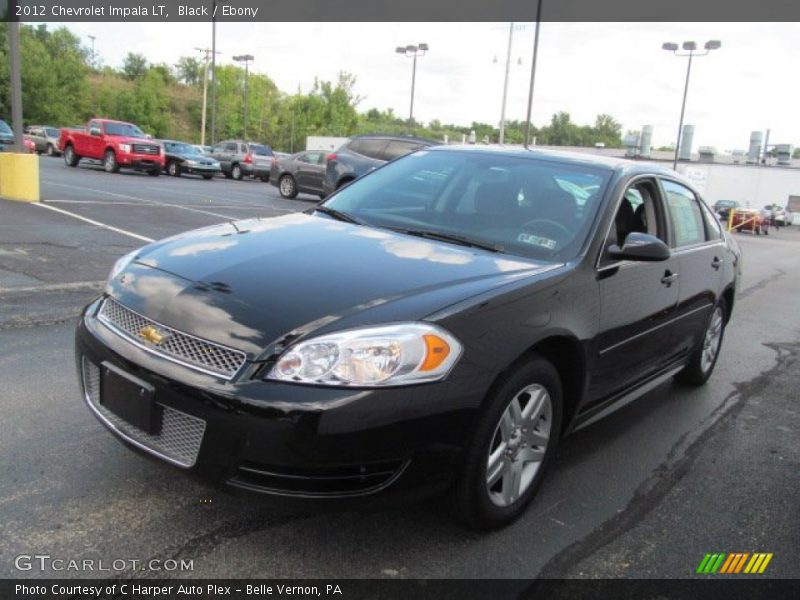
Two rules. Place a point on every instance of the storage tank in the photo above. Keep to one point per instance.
(687, 138)
(647, 141)
(754, 153)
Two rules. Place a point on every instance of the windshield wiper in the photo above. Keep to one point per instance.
(454, 238)
(336, 214)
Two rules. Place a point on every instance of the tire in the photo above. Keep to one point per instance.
(287, 186)
(227, 174)
(236, 172)
(207, 177)
(50, 151)
(534, 386)
(70, 158)
(173, 168)
(110, 164)
(265, 178)
(154, 172)
(703, 360)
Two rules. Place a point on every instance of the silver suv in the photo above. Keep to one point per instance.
(45, 138)
(238, 159)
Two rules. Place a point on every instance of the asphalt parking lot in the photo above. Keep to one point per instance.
(644, 493)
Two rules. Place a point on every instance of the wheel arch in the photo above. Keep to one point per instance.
(729, 295)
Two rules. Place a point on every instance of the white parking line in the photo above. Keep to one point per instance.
(145, 200)
(97, 223)
(116, 203)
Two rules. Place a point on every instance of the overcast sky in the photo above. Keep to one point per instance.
(751, 83)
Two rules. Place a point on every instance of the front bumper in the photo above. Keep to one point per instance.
(282, 439)
(200, 169)
(144, 162)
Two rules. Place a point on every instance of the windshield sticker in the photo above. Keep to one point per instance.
(536, 240)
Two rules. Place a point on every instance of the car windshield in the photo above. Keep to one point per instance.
(182, 149)
(51, 132)
(5, 129)
(520, 205)
(124, 129)
(260, 150)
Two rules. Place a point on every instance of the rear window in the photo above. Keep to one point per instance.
(369, 147)
(260, 150)
(52, 132)
(5, 129)
(397, 148)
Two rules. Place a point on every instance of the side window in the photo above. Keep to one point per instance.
(303, 158)
(315, 158)
(370, 147)
(638, 211)
(94, 125)
(685, 215)
(713, 230)
(231, 147)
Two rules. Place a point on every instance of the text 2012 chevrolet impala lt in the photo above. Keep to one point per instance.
(437, 325)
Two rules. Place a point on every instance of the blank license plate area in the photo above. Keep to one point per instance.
(130, 399)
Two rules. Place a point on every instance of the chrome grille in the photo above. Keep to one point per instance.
(145, 149)
(181, 434)
(183, 348)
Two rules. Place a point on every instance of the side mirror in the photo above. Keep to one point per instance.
(641, 247)
(95, 131)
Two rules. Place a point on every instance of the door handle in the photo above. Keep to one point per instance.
(717, 262)
(669, 277)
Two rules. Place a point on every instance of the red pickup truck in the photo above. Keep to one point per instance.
(116, 143)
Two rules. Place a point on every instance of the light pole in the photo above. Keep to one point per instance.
(412, 51)
(206, 56)
(502, 136)
(533, 74)
(690, 50)
(214, 70)
(91, 37)
(246, 59)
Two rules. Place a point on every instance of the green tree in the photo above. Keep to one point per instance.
(189, 70)
(134, 66)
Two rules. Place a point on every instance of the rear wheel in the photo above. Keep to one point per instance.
(236, 172)
(51, 151)
(227, 174)
(514, 440)
(70, 158)
(702, 362)
(174, 169)
(154, 172)
(287, 186)
(110, 162)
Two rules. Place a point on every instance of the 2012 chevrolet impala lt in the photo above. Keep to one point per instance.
(439, 324)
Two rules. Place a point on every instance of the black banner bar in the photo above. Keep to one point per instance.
(402, 10)
(701, 588)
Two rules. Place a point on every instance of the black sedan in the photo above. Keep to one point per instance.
(438, 325)
(187, 158)
(300, 173)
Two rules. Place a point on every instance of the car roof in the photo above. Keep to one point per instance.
(393, 136)
(581, 158)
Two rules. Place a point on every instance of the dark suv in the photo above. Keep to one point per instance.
(238, 158)
(359, 155)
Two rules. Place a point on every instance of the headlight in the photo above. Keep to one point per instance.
(397, 354)
(125, 148)
(191, 163)
(121, 263)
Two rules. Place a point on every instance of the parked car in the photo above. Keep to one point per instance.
(750, 219)
(182, 158)
(117, 143)
(359, 155)
(238, 159)
(7, 139)
(45, 139)
(723, 208)
(438, 325)
(300, 173)
(777, 215)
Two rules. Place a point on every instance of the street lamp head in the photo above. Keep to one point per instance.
(669, 46)
(423, 47)
(713, 45)
(411, 48)
(401, 50)
(690, 46)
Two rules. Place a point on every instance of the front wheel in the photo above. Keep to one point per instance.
(70, 158)
(514, 440)
(287, 187)
(236, 172)
(702, 362)
(174, 169)
(110, 164)
(51, 151)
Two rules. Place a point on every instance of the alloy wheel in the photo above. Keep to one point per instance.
(287, 186)
(518, 445)
(711, 342)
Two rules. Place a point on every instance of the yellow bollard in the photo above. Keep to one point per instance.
(19, 176)
(730, 218)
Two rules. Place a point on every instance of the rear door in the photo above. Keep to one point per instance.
(310, 171)
(638, 299)
(696, 241)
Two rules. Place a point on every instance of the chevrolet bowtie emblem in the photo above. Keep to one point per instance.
(151, 334)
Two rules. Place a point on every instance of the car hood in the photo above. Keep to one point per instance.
(248, 284)
(203, 160)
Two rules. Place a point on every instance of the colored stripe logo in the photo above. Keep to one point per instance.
(734, 563)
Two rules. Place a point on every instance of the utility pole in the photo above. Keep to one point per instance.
(16, 85)
(505, 86)
(91, 37)
(246, 59)
(206, 56)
